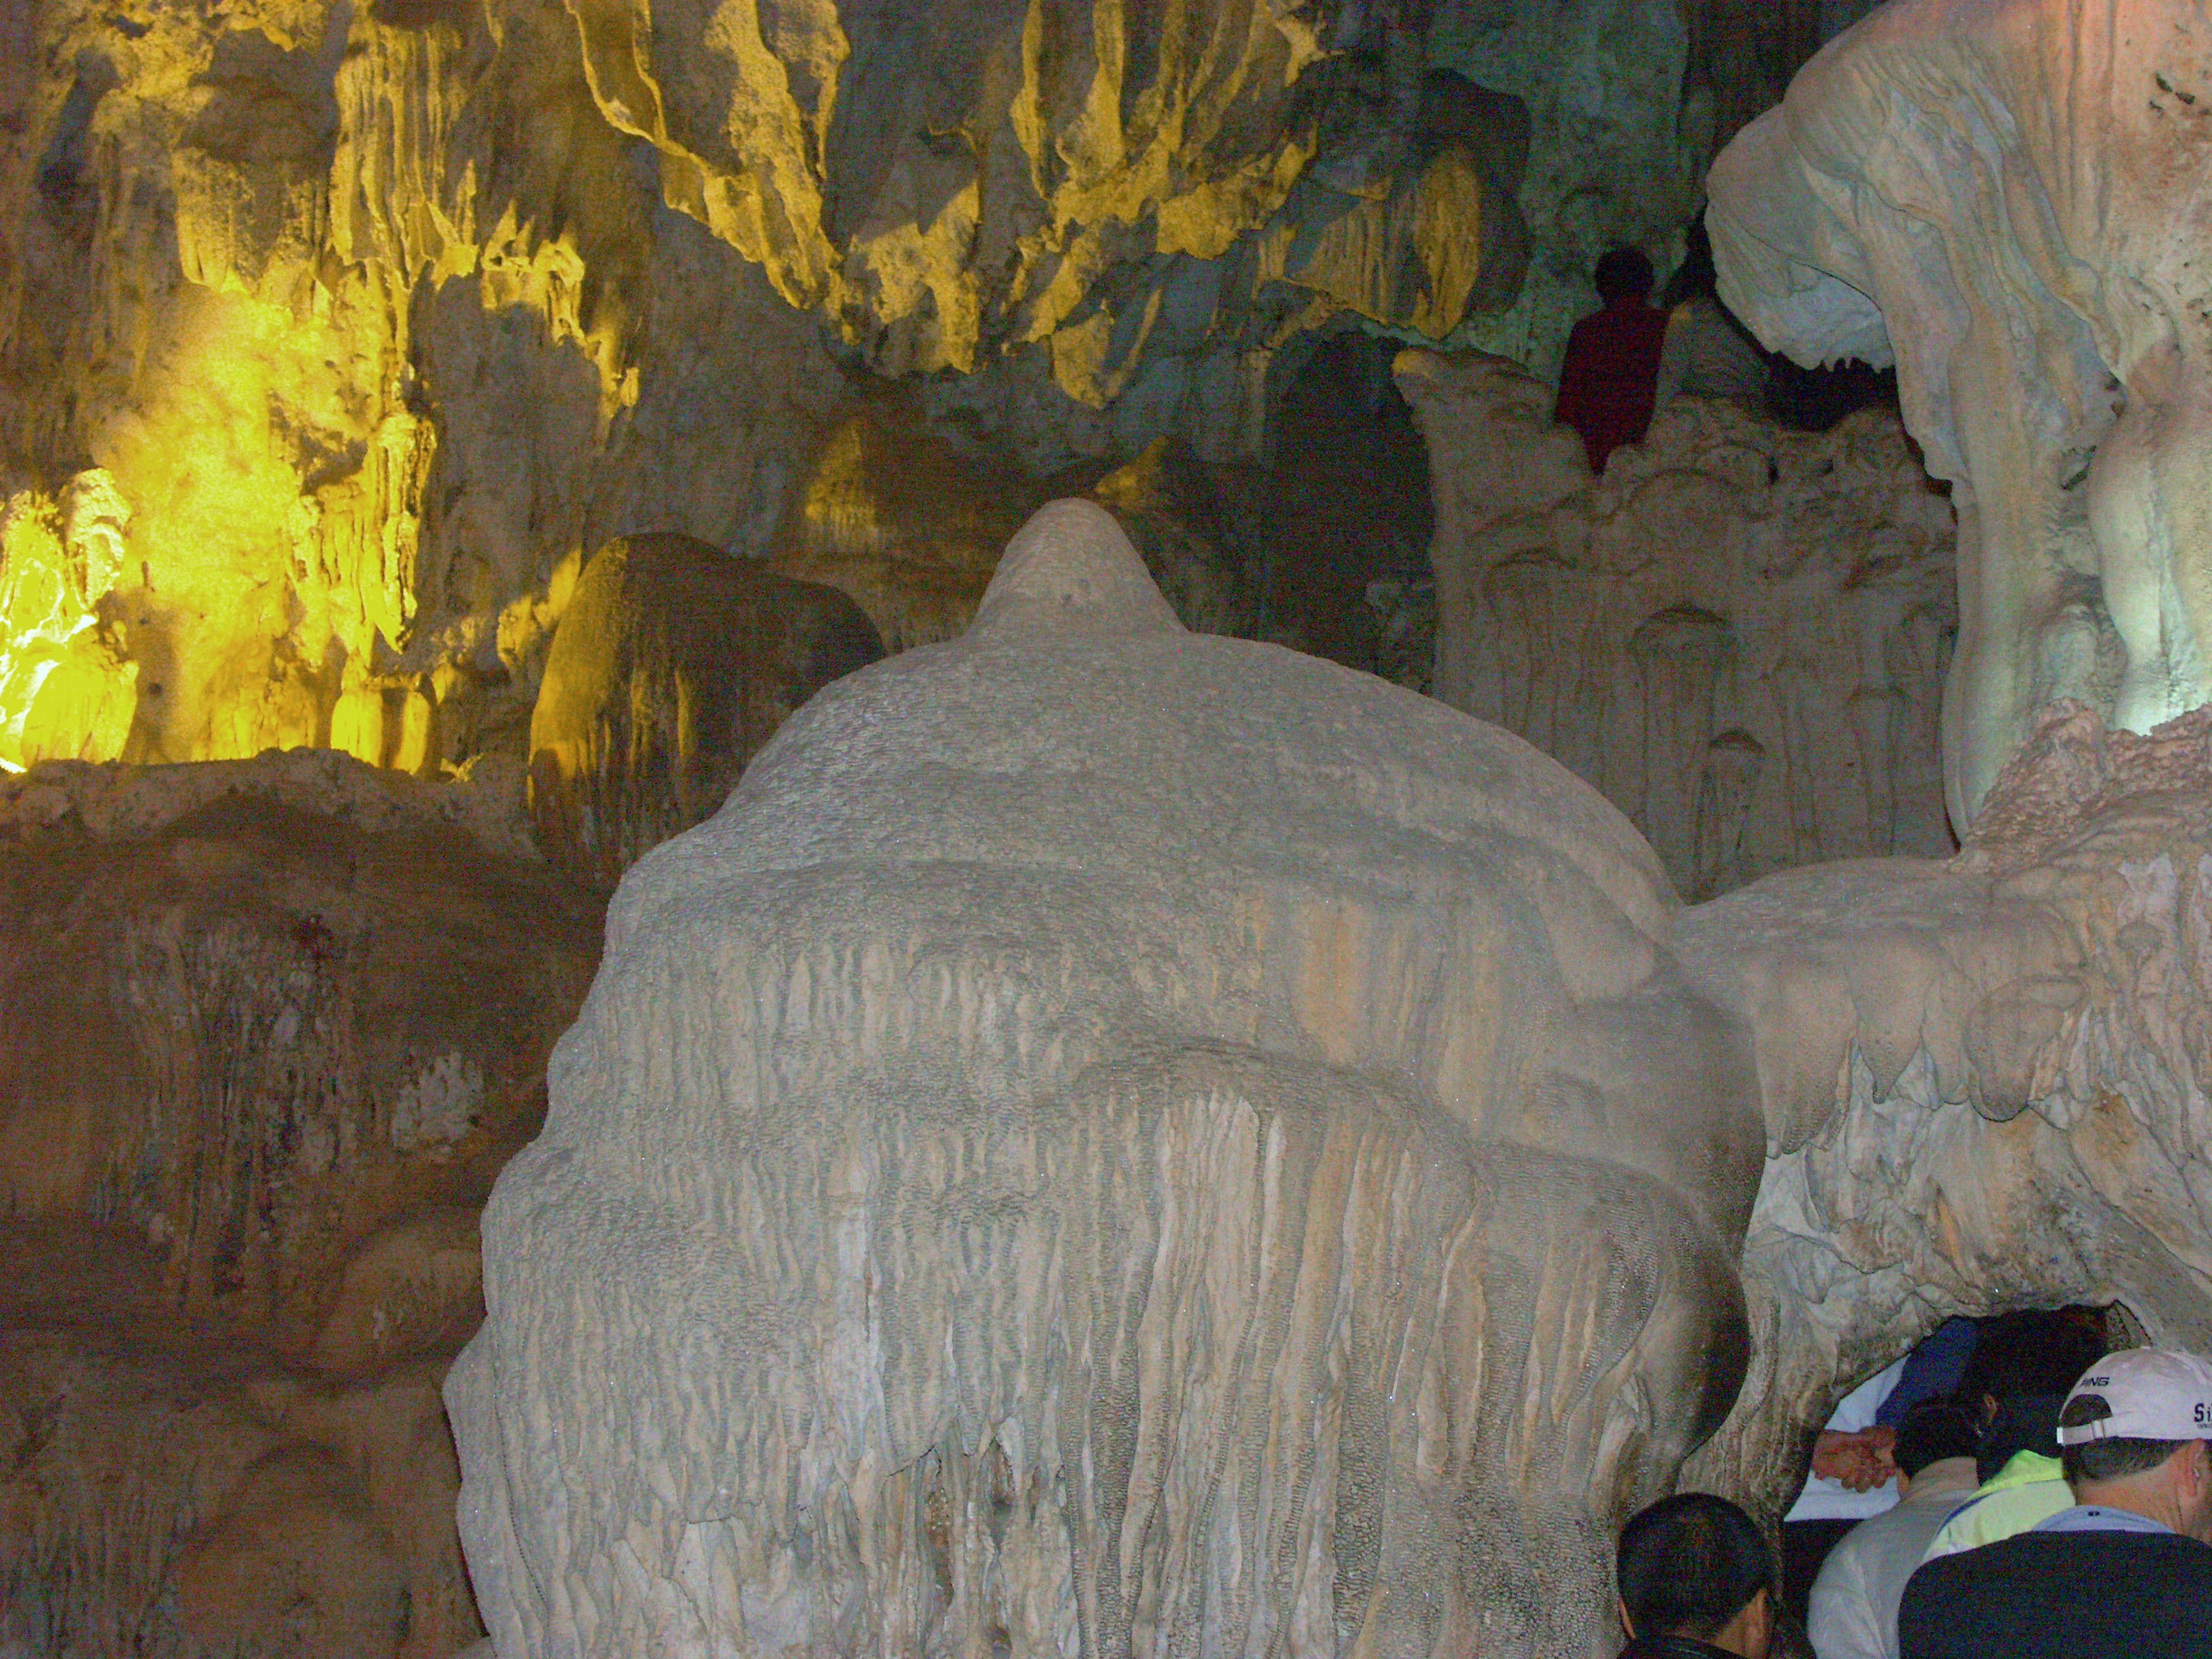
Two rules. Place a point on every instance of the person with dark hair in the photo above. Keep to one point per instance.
(1696, 1579)
(1853, 1474)
(1854, 1601)
(2126, 1569)
(2023, 1365)
(1607, 378)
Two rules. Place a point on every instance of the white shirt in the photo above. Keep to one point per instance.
(1853, 1611)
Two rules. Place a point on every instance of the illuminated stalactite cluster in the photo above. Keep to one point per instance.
(60, 681)
(348, 313)
(377, 318)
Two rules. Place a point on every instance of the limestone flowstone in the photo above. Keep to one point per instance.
(1739, 633)
(1114, 1134)
(2000, 196)
(1111, 1134)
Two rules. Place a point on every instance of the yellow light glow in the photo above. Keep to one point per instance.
(62, 692)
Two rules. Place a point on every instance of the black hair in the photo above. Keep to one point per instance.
(1696, 276)
(1689, 1563)
(2114, 1459)
(1623, 272)
(2027, 1422)
(2033, 1352)
(1933, 1430)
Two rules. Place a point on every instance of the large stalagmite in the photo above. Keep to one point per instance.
(2001, 194)
(1111, 1134)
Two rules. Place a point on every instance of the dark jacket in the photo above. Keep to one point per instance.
(2067, 1595)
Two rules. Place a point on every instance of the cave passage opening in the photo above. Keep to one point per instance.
(2007, 1370)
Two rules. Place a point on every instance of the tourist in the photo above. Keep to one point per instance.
(1853, 1461)
(2023, 1365)
(1609, 375)
(1854, 1601)
(2126, 1569)
(1706, 352)
(1696, 1579)
(1852, 1480)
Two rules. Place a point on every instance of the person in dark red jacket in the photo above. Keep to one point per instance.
(1608, 378)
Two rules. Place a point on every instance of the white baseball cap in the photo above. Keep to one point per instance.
(2155, 1394)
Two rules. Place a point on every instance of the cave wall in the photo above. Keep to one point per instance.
(333, 338)
(268, 1031)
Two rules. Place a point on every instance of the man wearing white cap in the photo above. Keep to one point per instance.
(2128, 1570)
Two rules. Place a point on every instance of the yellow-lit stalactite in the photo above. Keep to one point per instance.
(64, 693)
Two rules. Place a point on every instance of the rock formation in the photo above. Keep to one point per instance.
(1985, 1079)
(909, 515)
(64, 692)
(1034, 1171)
(1113, 1134)
(1987, 190)
(1738, 634)
(672, 666)
(267, 1031)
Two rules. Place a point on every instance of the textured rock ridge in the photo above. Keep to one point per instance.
(1033, 1170)
(239, 1028)
(1738, 634)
